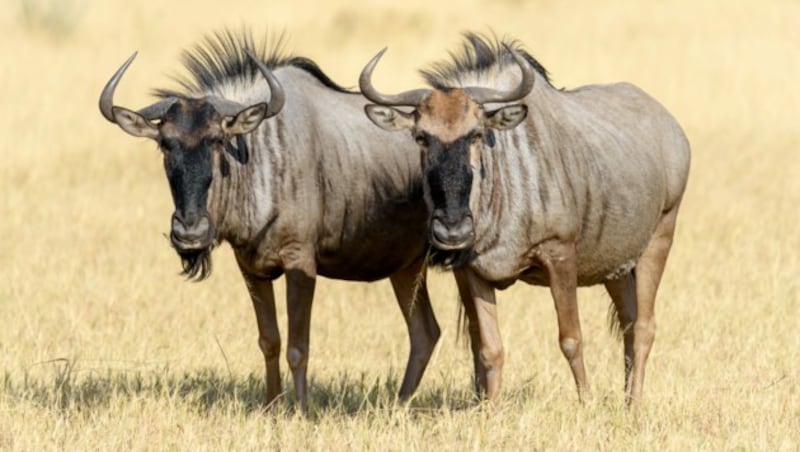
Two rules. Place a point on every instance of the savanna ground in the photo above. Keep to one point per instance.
(103, 345)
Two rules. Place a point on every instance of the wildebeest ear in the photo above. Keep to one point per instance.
(246, 120)
(389, 118)
(506, 117)
(134, 123)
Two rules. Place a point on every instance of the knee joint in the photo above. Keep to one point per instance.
(271, 349)
(645, 330)
(296, 357)
(425, 342)
(492, 357)
(570, 347)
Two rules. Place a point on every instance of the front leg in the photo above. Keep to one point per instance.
(561, 261)
(299, 295)
(269, 337)
(488, 348)
(473, 328)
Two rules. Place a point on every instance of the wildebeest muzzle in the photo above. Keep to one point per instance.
(452, 231)
(191, 233)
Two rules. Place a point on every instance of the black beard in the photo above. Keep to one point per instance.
(448, 259)
(196, 264)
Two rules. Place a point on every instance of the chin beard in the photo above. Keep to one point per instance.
(448, 259)
(196, 264)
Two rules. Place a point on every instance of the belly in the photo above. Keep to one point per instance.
(374, 250)
(365, 263)
(614, 253)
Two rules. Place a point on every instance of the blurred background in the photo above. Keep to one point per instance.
(87, 274)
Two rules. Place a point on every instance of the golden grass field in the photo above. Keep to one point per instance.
(103, 346)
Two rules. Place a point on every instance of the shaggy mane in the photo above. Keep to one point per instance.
(219, 58)
(478, 56)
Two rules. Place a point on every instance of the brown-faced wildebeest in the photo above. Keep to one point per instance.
(572, 188)
(270, 155)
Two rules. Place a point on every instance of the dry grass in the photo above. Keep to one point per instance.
(104, 347)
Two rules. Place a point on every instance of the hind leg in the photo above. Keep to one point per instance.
(623, 296)
(649, 269)
(411, 291)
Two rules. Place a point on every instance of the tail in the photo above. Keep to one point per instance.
(462, 332)
(614, 324)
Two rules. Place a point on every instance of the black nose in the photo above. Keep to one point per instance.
(452, 232)
(191, 233)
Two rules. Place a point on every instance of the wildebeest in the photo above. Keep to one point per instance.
(570, 188)
(267, 153)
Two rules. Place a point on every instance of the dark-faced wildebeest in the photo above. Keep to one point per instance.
(585, 191)
(314, 190)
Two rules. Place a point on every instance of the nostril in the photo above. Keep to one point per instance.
(440, 230)
(190, 231)
(465, 226)
(178, 227)
(436, 223)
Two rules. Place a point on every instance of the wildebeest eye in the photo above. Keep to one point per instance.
(421, 140)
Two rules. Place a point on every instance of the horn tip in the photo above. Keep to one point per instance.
(380, 54)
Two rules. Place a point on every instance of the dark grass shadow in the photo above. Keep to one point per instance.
(69, 388)
(354, 396)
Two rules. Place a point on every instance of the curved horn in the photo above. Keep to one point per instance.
(107, 96)
(278, 97)
(408, 98)
(483, 95)
(155, 111)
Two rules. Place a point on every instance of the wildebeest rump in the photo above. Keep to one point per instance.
(573, 187)
(267, 153)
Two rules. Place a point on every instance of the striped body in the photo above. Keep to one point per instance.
(552, 187)
(268, 154)
(586, 166)
(328, 188)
